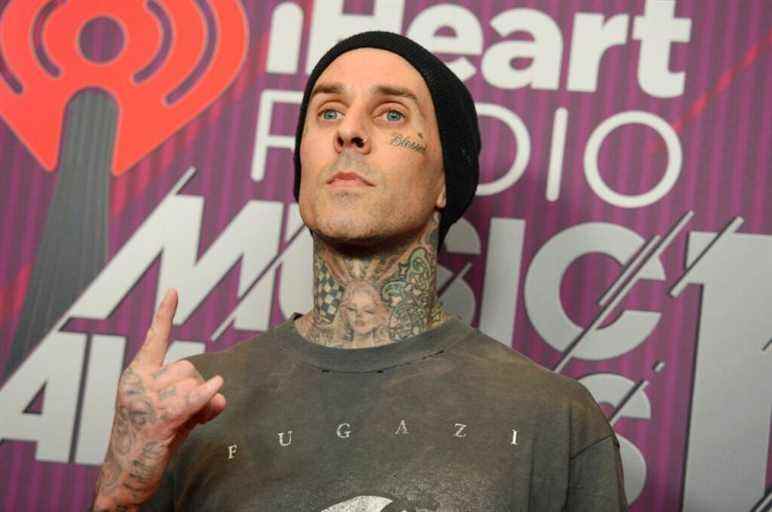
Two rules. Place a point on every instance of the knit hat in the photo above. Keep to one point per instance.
(453, 107)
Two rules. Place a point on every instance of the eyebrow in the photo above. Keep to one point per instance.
(383, 90)
(336, 88)
(391, 90)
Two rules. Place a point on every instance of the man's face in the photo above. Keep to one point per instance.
(370, 152)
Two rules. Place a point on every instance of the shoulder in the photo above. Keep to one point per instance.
(501, 362)
(237, 358)
(552, 397)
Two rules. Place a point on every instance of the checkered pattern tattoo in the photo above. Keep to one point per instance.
(328, 295)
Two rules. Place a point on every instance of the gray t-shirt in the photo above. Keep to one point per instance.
(450, 420)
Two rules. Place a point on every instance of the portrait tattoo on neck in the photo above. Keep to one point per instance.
(374, 299)
(408, 143)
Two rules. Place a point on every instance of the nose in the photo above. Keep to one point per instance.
(352, 134)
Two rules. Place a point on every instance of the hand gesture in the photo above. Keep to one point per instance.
(156, 407)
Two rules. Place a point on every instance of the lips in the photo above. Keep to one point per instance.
(348, 179)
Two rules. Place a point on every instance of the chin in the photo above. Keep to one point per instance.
(344, 230)
(356, 223)
(351, 221)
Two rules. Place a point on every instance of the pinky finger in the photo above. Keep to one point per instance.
(201, 395)
(211, 410)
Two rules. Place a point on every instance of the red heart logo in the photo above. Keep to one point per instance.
(185, 74)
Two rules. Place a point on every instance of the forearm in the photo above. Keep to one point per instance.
(128, 480)
(109, 493)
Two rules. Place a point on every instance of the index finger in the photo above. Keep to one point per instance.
(156, 343)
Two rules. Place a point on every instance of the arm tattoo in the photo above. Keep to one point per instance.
(108, 475)
(132, 474)
(123, 437)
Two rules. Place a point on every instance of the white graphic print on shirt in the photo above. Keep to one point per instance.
(361, 504)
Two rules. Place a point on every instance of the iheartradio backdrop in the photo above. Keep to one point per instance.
(622, 233)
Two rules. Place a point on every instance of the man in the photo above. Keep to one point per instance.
(376, 399)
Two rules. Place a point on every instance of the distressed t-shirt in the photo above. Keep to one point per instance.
(450, 420)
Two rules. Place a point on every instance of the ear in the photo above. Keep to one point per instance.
(442, 198)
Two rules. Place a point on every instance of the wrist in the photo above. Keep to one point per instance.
(104, 503)
(110, 504)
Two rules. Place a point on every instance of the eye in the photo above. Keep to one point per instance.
(329, 114)
(394, 116)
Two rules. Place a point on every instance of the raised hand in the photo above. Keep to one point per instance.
(156, 407)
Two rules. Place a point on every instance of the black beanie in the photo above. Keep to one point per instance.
(453, 106)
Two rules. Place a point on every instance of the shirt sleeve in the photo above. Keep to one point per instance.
(596, 483)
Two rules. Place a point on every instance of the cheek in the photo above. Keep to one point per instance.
(416, 186)
(316, 147)
(309, 142)
(310, 152)
(419, 172)
(311, 170)
(406, 165)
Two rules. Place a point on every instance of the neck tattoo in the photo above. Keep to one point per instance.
(374, 299)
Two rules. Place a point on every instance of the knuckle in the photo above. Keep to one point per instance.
(194, 397)
(131, 382)
(171, 412)
(186, 366)
(157, 374)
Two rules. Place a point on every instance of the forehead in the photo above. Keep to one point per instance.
(365, 68)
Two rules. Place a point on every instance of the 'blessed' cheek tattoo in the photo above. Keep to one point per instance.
(407, 143)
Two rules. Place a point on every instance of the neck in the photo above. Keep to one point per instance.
(366, 297)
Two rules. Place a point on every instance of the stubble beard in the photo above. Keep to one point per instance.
(351, 220)
(362, 219)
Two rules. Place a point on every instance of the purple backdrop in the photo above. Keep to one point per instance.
(721, 122)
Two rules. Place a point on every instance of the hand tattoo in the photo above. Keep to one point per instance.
(150, 418)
